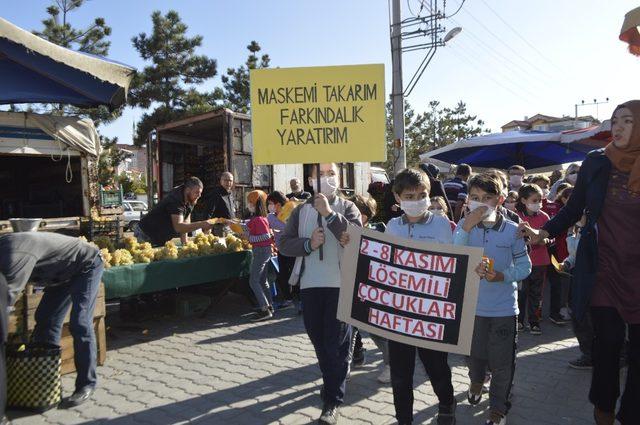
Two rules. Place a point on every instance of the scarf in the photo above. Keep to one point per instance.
(627, 160)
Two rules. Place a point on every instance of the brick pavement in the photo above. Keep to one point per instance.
(220, 369)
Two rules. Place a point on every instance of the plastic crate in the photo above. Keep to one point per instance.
(110, 198)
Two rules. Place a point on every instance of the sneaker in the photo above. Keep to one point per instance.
(474, 395)
(582, 362)
(358, 358)
(520, 327)
(496, 418)
(557, 319)
(447, 414)
(535, 329)
(284, 305)
(385, 375)
(262, 315)
(329, 415)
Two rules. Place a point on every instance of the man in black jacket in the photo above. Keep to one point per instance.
(222, 204)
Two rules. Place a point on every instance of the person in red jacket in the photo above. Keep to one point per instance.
(529, 208)
(261, 239)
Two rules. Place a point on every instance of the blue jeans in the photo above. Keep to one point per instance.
(330, 337)
(80, 294)
(258, 278)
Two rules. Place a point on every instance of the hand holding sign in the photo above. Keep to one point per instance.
(321, 204)
(317, 238)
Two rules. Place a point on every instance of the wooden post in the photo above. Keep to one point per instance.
(318, 179)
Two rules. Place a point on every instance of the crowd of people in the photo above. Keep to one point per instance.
(575, 233)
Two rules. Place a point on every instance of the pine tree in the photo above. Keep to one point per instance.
(235, 93)
(58, 30)
(169, 82)
(92, 39)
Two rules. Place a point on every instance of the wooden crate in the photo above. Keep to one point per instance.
(21, 325)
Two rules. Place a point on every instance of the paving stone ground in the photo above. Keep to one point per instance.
(222, 369)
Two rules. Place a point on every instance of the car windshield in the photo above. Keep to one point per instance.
(138, 206)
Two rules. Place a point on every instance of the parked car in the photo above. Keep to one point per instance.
(133, 212)
(379, 174)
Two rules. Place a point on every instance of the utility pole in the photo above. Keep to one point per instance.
(397, 94)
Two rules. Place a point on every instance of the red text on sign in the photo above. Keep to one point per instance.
(407, 303)
(406, 325)
(424, 261)
(423, 283)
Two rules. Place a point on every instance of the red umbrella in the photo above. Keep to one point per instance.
(630, 33)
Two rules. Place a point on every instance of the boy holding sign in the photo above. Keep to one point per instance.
(320, 279)
(494, 334)
(411, 190)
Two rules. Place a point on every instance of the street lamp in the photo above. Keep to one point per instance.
(451, 34)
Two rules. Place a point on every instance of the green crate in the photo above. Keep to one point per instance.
(110, 198)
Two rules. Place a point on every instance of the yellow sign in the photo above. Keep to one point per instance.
(318, 115)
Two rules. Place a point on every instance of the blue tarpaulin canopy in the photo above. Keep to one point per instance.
(33, 70)
(532, 149)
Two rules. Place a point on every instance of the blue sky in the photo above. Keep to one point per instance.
(513, 58)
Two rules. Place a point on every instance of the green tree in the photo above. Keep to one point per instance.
(235, 92)
(108, 162)
(92, 39)
(435, 128)
(169, 82)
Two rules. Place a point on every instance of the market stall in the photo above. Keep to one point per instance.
(143, 278)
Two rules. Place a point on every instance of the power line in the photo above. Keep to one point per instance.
(520, 36)
(505, 44)
(459, 8)
(507, 60)
(501, 84)
(523, 86)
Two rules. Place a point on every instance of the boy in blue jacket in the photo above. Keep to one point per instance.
(494, 335)
(411, 190)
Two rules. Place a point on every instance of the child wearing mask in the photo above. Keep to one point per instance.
(275, 202)
(516, 176)
(368, 208)
(493, 345)
(261, 240)
(411, 191)
(439, 207)
(559, 311)
(320, 279)
(529, 208)
(511, 200)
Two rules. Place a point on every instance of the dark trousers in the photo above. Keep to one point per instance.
(402, 359)
(285, 265)
(609, 335)
(583, 329)
(80, 294)
(530, 297)
(4, 292)
(330, 337)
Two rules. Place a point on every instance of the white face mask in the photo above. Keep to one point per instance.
(511, 206)
(272, 208)
(437, 211)
(251, 208)
(415, 208)
(515, 180)
(489, 215)
(545, 193)
(571, 178)
(328, 185)
(534, 207)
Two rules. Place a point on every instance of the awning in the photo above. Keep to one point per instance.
(76, 133)
(33, 70)
(588, 139)
(630, 33)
